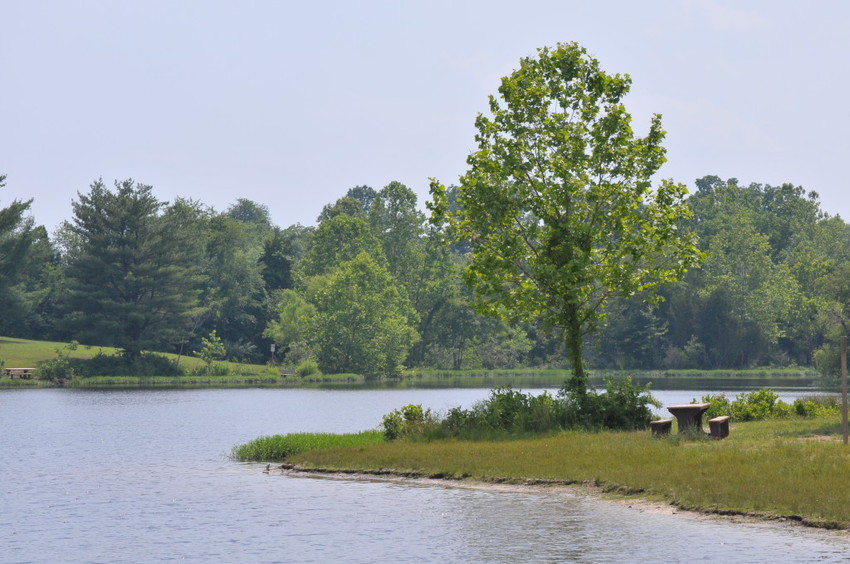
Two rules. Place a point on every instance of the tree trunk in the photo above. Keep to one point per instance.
(578, 382)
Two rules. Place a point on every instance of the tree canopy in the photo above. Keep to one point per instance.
(132, 283)
(557, 205)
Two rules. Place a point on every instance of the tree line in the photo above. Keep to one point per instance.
(375, 287)
(554, 251)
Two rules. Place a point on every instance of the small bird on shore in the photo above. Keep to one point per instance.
(266, 471)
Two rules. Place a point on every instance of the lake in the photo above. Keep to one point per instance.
(144, 476)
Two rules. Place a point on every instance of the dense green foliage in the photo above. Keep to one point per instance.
(131, 280)
(765, 404)
(782, 304)
(507, 412)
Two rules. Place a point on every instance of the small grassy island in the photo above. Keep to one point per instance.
(790, 465)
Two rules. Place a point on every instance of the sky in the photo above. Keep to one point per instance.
(290, 104)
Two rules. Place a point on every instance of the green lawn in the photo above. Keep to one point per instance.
(24, 353)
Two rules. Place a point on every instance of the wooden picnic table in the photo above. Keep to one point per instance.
(23, 373)
(689, 416)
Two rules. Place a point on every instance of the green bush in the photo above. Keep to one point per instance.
(755, 406)
(408, 421)
(720, 405)
(816, 406)
(506, 408)
(148, 364)
(56, 369)
(625, 406)
(509, 412)
(622, 406)
(765, 404)
(307, 368)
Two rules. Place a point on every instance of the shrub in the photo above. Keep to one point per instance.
(506, 408)
(509, 412)
(816, 406)
(212, 350)
(307, 368)
(458, 420)
(720, 405)
(408, 421)
(625, 406)
(56, 369)
(505, 411)
(622, 406)
(753, 406)
(148, 364)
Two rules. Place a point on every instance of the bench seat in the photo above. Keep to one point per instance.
(661, 427)
(719, 427)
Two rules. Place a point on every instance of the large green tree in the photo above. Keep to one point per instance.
(558, 205)
(363, 323)
(132, 277)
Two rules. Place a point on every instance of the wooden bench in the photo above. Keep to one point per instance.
(719, 427)
(661, 428)
(20, 373)
(284, 373)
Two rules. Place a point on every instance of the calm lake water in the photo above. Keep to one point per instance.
(144, 476)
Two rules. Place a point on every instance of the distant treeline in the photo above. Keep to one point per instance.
(374, 288)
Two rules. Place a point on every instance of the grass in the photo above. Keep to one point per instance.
(278, 448)
(795, 468)
(28, 353)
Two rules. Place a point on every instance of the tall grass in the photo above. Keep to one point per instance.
(280, 447)
(794, 468)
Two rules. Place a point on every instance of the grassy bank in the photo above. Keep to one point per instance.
(679, 379)
(280, 447)
(795, 469)
(27, 353)
(755, 377)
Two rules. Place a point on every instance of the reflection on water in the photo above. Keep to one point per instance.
(143, 476)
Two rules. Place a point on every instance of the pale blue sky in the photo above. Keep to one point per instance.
(290, 104)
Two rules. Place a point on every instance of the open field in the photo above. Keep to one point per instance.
(24, 352)
(795, 469)
(27, 353)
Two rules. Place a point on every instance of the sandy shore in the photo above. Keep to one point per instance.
(633, 501)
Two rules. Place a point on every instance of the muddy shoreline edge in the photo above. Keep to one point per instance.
(634, 498)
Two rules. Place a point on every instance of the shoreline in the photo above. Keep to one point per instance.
(613, 494)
